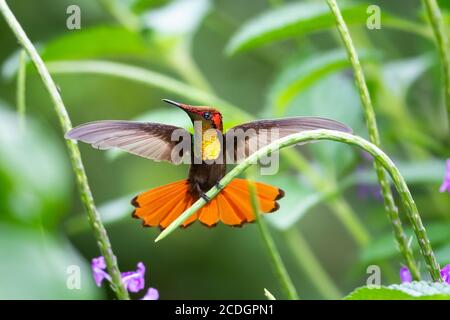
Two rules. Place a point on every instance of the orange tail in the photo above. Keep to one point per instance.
(162, 205)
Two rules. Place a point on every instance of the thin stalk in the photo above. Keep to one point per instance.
(180, 59)
(82, 182)
(309, 263)
(371, 124)
(438, 26)
(277, 262)
(230, 111)
(20, 93)
(150, 78)
(318, 135)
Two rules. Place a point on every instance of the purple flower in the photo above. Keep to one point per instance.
(152, 294)
(445, 186)
(445, 274)
(98, 266)
(405, 275)
(134, 281)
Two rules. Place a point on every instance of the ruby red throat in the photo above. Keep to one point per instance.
(162, 205)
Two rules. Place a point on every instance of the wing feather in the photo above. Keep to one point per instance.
(149, 140)
(259, 133)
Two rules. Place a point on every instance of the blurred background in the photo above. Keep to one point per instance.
(251, 59)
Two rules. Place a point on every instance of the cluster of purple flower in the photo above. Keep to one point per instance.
(134, 281)
(405, 275)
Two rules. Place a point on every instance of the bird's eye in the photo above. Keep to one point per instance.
(207, 115)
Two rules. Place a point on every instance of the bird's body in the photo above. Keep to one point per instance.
(209, 151)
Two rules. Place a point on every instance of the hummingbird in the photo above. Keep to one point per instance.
(160, 206)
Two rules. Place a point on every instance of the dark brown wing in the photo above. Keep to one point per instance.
(260, 133)
(149, 140)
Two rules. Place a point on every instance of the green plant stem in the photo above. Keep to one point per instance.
(21, 84)
(82, 182)
(277, 262)
(180, 59)
(309, 263)
(318, 135)
(339, 206)
(442, 42)
(147, 77)
(371, 124)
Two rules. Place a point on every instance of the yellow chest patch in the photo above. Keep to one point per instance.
(210, 145)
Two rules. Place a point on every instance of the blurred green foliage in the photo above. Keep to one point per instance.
(285, 61)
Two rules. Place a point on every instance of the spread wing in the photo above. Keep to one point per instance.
(251, 136)
(149, 140)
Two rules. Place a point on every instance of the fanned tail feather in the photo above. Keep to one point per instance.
(162, 205)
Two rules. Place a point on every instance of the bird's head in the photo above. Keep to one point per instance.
(210, 117)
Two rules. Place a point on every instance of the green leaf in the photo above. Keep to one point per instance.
(303, 73)
(34, 180)
(37, 265)
(384, 247)
(291, 209)
(415, 291)
(96, 42)
(291, 20)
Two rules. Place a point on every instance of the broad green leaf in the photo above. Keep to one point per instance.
(415, 291)
(298, 199)
(34, 172)
(35, 265)
(384, 247)
(291, 20)
(303, 73)
(98, 42)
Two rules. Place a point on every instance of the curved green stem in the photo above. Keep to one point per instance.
(371, 124)
(316, 135)
(438, 26)
(277, 262)
(147, 77)
(21, 83)
(82, 182)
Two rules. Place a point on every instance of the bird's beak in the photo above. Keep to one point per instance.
(190, 110)
(177, 104)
